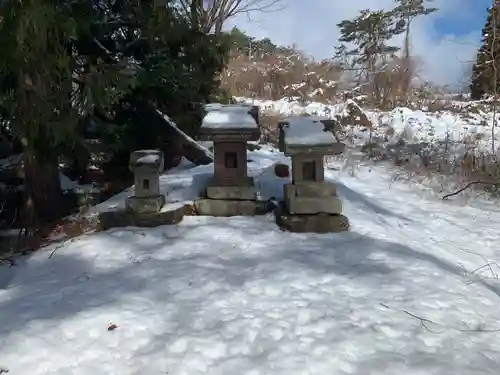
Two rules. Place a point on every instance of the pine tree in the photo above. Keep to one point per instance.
(409, 10)
(177, 67)
(49, 78)
(485, 78)
(370, 33)
(66, 61)
(35, 84)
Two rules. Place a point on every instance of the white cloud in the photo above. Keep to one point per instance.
(311, 25)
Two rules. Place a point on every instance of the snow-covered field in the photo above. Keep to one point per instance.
(412, 289)
(470, 123)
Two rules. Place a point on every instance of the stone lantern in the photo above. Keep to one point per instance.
(231, 191)
(310, 203)
(147, 165)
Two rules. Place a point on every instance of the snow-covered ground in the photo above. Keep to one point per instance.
(411, 289)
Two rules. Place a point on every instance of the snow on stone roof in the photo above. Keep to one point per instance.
(241, 108)
(306, 132)
(148, 159)
(143, 158)
(220, 119)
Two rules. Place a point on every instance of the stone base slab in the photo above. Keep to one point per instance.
(321, 223)
(232, 192)
(122, 218)
(310, 189)
(230, 181)
(312, 206)
(144, 205)
(226, 208)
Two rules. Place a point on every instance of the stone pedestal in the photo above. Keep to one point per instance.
(232, 192)
(310, 189)
(311, 207)
(231, 207)
(230, 200)
(145, 205)
(312, 198)
(318, 223)
(169, 215)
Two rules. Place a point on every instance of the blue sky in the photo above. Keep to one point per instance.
(445, 43)
(453, 25)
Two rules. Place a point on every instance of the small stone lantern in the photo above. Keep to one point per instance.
(147, 165)
(311, 204)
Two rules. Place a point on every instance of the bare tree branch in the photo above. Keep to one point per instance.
(469, 185)
(211, 15)
(426, 322)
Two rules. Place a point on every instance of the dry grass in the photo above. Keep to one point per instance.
(269, 128)
(275, 76)
(294, 75)
(445, 174)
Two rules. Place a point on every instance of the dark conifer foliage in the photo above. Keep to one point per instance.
(485, 76)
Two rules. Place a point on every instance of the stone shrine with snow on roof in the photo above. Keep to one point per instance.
(310, 203)
(231, 191)
(147, 165)
(147, 207)
(252, 110)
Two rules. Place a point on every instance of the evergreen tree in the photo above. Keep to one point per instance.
(485, 76)
(239, 40)
(370, 34)
(65, 63)
(408, 10)
(253, 47)
(177, 72)
(39, 65)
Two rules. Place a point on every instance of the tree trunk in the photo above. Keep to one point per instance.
(44, 198)
(219, 23)
(196, 9)
(407, 69)
(43, 193)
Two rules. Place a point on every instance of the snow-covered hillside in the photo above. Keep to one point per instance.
(412, 289)
(470, 124)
